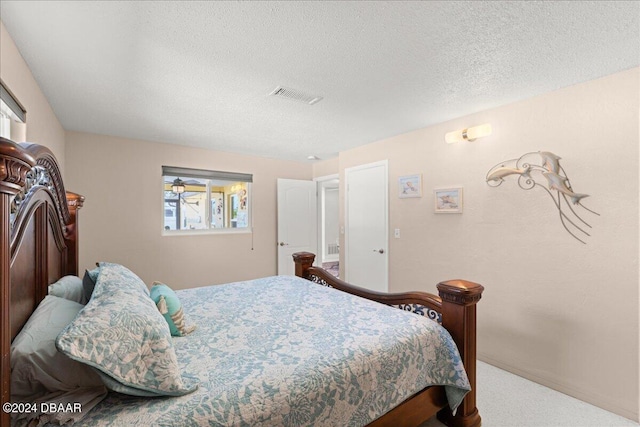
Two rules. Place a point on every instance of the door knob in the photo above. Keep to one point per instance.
(379, 250)
(284, 244)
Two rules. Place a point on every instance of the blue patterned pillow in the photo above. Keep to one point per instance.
(121, 334)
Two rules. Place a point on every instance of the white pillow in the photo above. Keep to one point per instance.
(41, 374)
(69, 287)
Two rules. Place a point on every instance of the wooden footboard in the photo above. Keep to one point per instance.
(455, 309)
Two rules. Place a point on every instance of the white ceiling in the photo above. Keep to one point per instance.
(199, 73)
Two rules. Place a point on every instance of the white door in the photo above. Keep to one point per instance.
(297, 221)
(366, 241)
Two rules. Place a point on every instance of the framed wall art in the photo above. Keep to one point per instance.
(448, 200)
(410, 186)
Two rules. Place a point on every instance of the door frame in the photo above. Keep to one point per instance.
(319, 181)
(347, 171)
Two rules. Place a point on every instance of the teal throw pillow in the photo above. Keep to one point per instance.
(169, 306)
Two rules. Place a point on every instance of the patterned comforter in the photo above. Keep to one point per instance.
(282, 351)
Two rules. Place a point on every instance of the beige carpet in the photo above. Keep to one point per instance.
(504, 400)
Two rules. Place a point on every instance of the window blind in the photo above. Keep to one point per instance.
(12, 103)
(206, 174)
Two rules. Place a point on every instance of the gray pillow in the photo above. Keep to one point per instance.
(89, 282)
(69, 287)
(41, 374)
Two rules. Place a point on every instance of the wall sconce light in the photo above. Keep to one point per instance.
(469, 134)
(177, 186)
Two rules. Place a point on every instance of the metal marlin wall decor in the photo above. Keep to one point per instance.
(558, 185)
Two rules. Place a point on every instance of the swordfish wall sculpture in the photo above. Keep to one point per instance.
(558, 185)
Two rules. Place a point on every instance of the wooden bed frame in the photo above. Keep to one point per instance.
(39, 245)
(38, 240)
(455, 309)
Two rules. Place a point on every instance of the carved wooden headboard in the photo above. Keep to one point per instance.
(38, 239)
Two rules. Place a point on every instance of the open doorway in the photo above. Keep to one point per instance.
(329, 224)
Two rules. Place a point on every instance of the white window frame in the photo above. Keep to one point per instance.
(12, 116)
(209, 176)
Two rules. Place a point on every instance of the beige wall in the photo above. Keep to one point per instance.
(123, 214)
(326, 167)
(43, 126)
(554, 310)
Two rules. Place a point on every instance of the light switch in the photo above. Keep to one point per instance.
(396, 233)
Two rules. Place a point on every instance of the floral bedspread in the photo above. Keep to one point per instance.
(282, 351)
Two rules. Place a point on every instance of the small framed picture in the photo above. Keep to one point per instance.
(410, 186)
(448, 200)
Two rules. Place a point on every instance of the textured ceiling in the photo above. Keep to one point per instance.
(199, 73)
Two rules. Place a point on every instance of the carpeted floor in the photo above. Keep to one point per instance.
(507, 400)
(332, 267)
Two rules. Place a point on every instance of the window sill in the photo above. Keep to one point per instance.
(214, 231)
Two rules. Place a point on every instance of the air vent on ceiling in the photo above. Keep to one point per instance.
(295, 95)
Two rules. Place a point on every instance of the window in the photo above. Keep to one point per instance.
(12, 116)
(197, 199)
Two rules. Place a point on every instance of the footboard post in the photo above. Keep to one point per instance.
(459, 299)
(303, 261)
